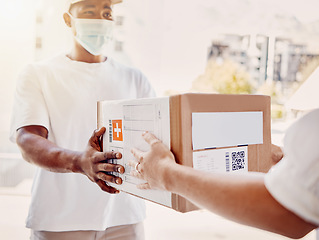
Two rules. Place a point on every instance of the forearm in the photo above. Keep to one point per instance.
(92, 162)
(44, 153)
(241, 198)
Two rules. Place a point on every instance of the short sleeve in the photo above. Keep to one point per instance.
(29, 106)
(146, 90)
(294, 181)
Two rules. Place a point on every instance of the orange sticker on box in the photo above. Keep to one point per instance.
(117, 130)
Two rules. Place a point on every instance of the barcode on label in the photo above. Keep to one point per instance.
(110, 131)
(227, 162)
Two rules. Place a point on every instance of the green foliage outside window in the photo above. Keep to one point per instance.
(224, 77)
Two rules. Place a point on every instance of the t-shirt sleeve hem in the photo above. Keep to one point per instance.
(13, 131)
(283, 185)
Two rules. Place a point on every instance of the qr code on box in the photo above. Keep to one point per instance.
(238, 160)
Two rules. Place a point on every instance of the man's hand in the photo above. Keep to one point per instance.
(38, 150)
(151, 166)
(276, 153)
(94, 163)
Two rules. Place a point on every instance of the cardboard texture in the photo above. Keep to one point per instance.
(181, 108)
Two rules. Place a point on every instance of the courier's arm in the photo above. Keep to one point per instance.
(241, 198)
(38, 150)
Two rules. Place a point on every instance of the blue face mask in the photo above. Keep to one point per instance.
(93, 34)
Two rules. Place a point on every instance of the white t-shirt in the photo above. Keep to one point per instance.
(294, 181)
(61, 95)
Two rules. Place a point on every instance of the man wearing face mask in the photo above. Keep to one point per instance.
(53, 118)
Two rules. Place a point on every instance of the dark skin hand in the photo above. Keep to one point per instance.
(92, 162)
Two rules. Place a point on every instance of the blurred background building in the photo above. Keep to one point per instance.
(279, 62)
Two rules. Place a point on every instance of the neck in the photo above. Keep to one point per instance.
(78, 53)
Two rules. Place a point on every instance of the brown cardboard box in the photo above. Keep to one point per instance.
(173, 117)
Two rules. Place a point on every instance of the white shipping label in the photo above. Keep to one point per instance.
(222, 160)
(226, 129)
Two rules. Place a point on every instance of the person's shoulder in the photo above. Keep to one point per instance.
(34, 71)
(44, 63)
(302, 136)
(132, 75)
(124, 68)
(314, 113)
(53, 60)
(310, 120)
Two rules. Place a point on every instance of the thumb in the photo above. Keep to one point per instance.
(99, 132)
(96, 138)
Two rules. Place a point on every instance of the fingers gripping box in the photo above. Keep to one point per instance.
(209, 132)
